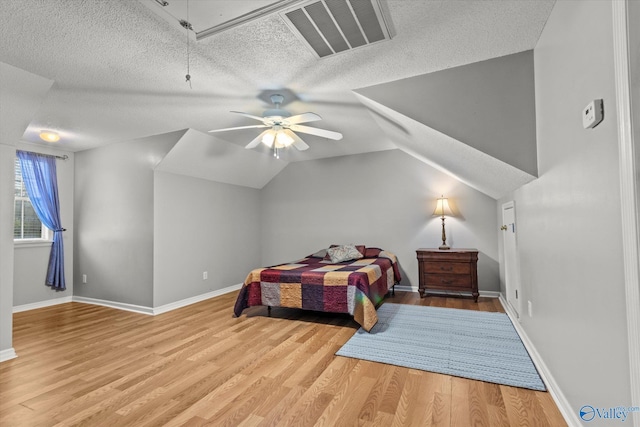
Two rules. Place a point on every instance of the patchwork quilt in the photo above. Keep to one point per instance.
(355, 287)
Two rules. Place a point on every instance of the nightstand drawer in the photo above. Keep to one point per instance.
(447, 281)
(447, 267)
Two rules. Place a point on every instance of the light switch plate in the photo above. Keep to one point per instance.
(592, 114)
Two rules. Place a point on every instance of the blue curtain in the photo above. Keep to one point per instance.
(40, 179)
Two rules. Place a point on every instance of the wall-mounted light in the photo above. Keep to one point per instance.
(49, 136)
(442, 209)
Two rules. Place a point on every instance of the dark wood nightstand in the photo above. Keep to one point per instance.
(453, 270)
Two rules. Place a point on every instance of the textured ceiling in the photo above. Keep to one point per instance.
(119, 69)
(20, 98)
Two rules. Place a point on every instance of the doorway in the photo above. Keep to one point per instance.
(511, 275)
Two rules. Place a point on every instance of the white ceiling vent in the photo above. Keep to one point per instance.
(333, 26)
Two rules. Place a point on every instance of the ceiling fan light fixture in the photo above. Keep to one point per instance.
(268, 138)
(276, 139)
(283, 140)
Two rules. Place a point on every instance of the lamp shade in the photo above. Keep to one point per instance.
(442, 207)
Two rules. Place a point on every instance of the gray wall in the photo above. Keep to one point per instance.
(634, 48)
(382, 199)
(31, 262)
(155, 253)
(569, 239)
(7, 156)
(489, 105)
(199, 226)
(114, 213)
(21, 94)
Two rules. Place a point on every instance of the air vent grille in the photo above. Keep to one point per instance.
(332, 26)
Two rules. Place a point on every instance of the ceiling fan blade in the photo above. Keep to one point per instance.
(239, 127)
(303, 118)
(258, 139)
(297, 141)
(251, 116)
(318, 132)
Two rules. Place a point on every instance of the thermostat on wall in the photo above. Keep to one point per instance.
(592, 114)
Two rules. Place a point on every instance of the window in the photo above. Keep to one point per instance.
(26, 225)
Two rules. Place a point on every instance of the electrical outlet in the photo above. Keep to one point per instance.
(84, 278)
(205, 275)
(530, 308)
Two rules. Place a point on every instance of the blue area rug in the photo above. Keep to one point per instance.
(465, 343)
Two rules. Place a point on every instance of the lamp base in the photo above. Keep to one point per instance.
(444, 246)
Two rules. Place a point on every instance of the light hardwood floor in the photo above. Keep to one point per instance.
(88, 365)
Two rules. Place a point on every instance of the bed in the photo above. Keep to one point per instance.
(321, 283)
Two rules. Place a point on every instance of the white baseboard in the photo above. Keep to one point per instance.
(7, 354)
(569, 414)
(129, 307)
(174, 305)
(114, 304)
(41, 304)
(490, 294)
(408, 288)
(188, 301)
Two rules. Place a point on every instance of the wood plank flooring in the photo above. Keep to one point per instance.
(88, 365)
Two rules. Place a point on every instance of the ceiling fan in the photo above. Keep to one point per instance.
(282, 128)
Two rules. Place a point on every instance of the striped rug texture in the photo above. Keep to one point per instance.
(465, 343)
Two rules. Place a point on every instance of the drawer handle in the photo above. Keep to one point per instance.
(448, 268)
(446, 282)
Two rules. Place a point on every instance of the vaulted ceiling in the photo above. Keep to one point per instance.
(118, 69)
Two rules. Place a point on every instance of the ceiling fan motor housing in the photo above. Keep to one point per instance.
(276, 112)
